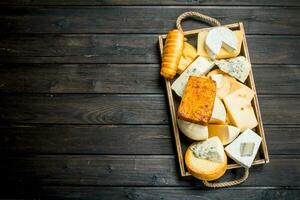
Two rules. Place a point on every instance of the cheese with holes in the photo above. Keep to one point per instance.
(223, 53)
(233, 149)
(192, 130)
(199, 67)
(226, 133)
(237, 67)
(240, 110)
(219, 113)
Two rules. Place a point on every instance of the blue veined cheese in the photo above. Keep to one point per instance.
(211, 149)
(220, 37)
(233, 150)
(237, 67)
(201, 66)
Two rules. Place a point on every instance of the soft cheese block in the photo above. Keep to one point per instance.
(219, 113)
(240, 110)
(220, 37)
(206, 160)
(226, 133)
(237, 67)
(233, 150)
(223, 53)
(192, 130)
(199, 67)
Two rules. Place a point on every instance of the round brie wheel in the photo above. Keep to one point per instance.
(204, 169)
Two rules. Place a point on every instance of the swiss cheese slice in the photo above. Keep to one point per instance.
(233, 150)
(223, 53)
(192, 130)
(198, 67)
(240, 110)
(219, 113)
(226, 133)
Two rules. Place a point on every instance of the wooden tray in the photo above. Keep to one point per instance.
(183, 142)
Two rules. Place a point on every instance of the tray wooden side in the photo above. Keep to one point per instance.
(249, 82)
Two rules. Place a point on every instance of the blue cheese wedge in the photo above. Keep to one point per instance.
(220, 37)
(237, 67)
(200, 66)
(211, 149)
(233, 150)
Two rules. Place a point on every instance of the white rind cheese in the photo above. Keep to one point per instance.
(220, 37)
(237, 67)
(218, 78)
(233, 149)
(211, 149)
(192, 130)
(199, 67)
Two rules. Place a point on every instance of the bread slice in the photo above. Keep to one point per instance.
(198, 100)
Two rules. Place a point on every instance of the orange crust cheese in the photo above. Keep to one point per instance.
(172, 53)
(204, 169)
(198, 100)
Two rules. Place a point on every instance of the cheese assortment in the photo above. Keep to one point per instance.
(215, 108)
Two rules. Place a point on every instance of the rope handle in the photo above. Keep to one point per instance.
(228, 183)
(204, 18)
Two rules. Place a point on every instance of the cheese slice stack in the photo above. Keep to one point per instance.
(226, 133)
(199, 67)
(188, 55)
(233, 150)
(192, 130)
(220, 37)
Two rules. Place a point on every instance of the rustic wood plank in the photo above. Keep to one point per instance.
(120, 109)
(123, 78)
(151, 2)
(149, 193)
(131, 171)
(125, 48)
(257, 20)
(67, 139)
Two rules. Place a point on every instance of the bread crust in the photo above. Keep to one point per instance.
(197, 102)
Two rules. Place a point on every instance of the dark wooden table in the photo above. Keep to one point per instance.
(84, 113)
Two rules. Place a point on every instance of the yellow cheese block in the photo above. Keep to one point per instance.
(204, 169)
(226, 133)
(223, 53)
(240, 111)
(188, 56)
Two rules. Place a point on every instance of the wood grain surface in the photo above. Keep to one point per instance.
(84, 113)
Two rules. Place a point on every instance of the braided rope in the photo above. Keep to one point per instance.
(199, 16)
(228, 183)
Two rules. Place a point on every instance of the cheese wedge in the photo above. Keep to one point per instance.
(206, 160)
(226, 133)
(192, 130)
(219, 113)
(198, 67)
(188, 55)
(224, 82)
(237, 67)
(240, 111)
(233, 150)
(201, 50)
(242, 91)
